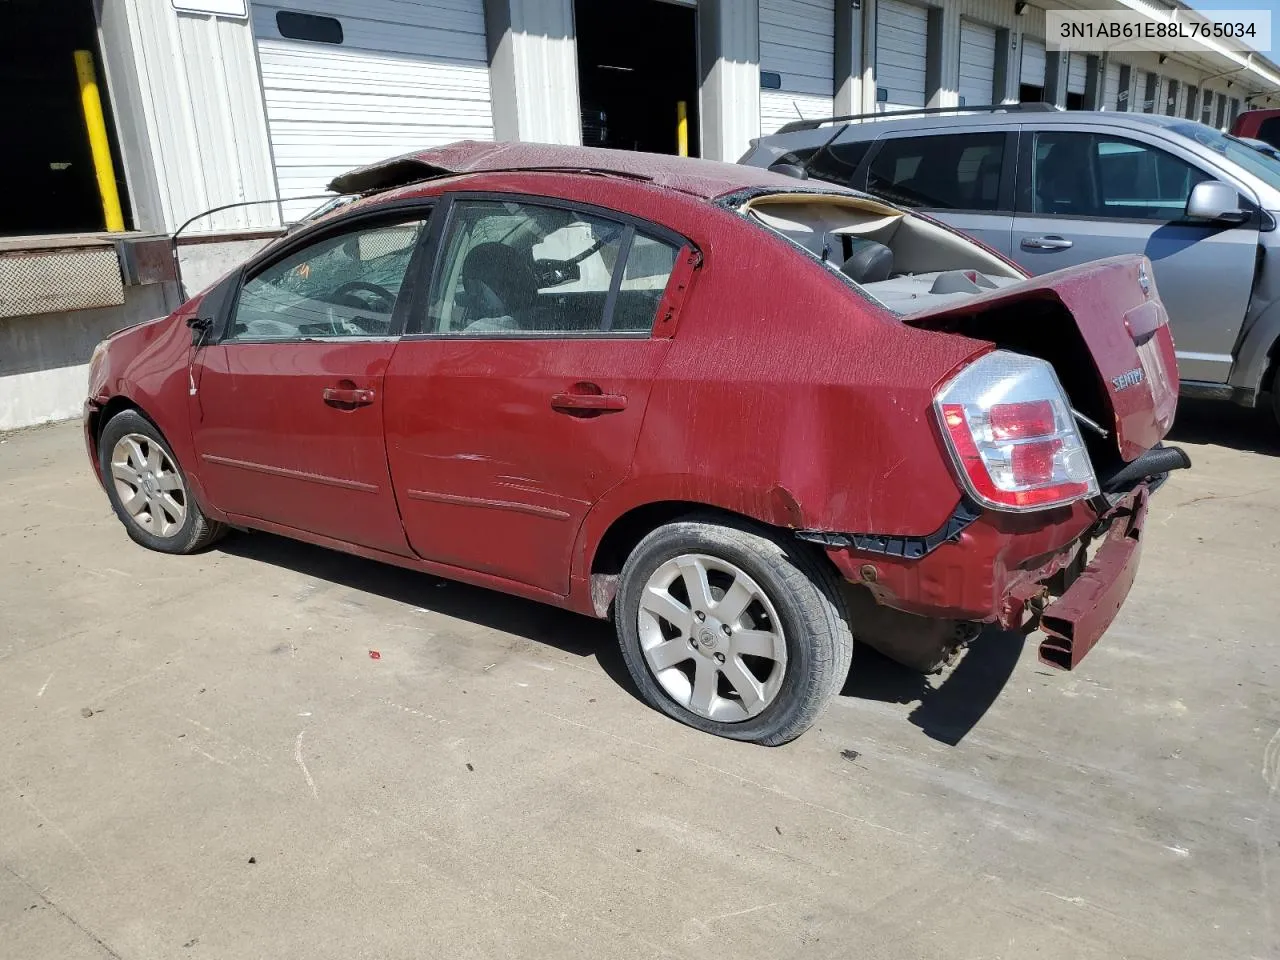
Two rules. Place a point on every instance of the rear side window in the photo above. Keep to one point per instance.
(1269, 130)
(837, 163)
(949, 172)
(512, 268)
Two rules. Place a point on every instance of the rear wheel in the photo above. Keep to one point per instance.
(148, 489)
(732, 630)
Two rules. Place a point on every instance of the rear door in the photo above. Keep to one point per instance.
(1086, 195)
(287, 406)
(964, 179)
(518, 401)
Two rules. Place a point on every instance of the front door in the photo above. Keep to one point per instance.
(288, 406)
(1086, 196)
(521, 402)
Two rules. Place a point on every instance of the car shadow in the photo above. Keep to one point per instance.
(946, 710)
(570, 632)
(951, 705)
(1224, 424)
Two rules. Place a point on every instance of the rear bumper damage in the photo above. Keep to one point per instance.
(1001, 568)
(1076, 621)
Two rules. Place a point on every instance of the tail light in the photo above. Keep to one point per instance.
(1012, 435)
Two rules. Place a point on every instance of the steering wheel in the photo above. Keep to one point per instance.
(384, 301)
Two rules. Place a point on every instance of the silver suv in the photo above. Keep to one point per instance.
(1050, 189)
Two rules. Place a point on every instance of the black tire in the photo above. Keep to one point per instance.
(195, 532)
(1275, 396)
(809, 605)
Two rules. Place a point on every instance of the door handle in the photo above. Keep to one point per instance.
(348, 396)
(588, 402)
(1045, 243)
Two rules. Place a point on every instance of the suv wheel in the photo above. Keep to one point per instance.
(732, 630)
(148, 490)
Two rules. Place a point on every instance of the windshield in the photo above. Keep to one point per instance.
(1261, 165)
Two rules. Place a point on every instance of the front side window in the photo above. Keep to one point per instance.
(950, 172)
(1089, 175)
(512, 268)
(342, 286)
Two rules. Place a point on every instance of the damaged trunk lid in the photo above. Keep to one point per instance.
(1102, 327)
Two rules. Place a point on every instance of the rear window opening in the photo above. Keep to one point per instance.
(904, 262)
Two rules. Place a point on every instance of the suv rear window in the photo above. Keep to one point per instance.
(949, 172)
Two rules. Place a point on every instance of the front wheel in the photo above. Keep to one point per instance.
(732, 630)
(148, 489)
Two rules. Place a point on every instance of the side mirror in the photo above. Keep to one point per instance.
(1215, 200)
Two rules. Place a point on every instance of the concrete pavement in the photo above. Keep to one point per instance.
(200, 758)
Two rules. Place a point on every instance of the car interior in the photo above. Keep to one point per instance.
(344, 286)
(517, 269)
(906, 263)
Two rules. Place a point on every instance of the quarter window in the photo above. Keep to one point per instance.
(520, 269)
(951, 172)
(342, 286)
(1087, 175)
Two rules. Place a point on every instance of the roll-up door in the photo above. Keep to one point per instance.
(1111, 88)
(1032, 62)
(902, 33)
(1077, 73)
(349, 82)
(977, 64)
(797, 48)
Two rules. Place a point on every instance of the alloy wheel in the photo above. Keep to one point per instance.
(712, 638)
(148, 485)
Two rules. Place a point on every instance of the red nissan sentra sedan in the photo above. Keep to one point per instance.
(746, 417)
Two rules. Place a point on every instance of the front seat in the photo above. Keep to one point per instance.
(498, 285)
(1062, 183)
(868, 262)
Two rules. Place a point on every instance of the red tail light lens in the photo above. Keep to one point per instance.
(1012, 435)
(1018, 421)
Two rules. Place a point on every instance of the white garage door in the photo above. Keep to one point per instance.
(1077, 72)
(379, 77)
(977, 65)
(902, 32)
(797, 43)
(1111, 87)
(1032, 62)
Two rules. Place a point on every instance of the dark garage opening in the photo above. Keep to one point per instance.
(637, 60)
(46, 164)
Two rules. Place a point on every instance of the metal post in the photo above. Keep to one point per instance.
(91, 104)
(682, 128)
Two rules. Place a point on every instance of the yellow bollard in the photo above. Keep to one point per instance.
(682, 128)
(91, 104)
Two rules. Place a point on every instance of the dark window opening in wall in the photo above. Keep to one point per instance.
(1149, 94)
(1206, 109)
(1029, 94)
(1222, 111)
(1193, 95)
(308, 26)
(1171, 99)
(637, 63)
(1075, 101)
(46, 163)
(1122, 93)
